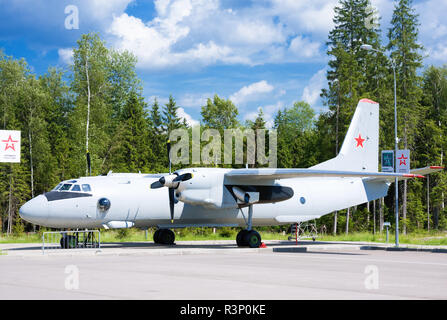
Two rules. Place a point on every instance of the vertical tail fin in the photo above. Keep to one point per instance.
(360, 149)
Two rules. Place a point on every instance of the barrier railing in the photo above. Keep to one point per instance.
(69, 240)
(303, 230)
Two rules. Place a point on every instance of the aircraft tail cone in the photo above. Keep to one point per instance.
(262, 245)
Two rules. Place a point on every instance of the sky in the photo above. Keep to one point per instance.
(260, 54)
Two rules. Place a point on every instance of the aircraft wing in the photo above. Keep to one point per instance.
(278, 173)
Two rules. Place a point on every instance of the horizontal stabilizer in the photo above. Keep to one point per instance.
(426, 170)
(274, 174)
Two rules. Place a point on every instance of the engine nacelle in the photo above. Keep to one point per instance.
(206, 188)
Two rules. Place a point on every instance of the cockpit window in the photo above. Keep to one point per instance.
(86, 188)
(76, 187)
(65, 187)
(57, 187)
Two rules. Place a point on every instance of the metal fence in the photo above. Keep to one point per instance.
(69, 240)
(303, 230)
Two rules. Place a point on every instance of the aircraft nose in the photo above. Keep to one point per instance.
(35, 210)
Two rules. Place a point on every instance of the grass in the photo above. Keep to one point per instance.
(419, 238)
(21, 238)
(197, 234)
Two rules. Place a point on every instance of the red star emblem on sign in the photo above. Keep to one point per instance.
(10, 141)
(402, 160)
(359, 141)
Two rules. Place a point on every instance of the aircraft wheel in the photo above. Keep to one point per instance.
(69, 242)
(167, 236)
(157, 236)
(240, 238)
(253, 239)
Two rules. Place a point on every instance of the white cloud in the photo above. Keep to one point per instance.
(306, 16)
(304, 48)
(438, 53)
(433, 29)
(269, 113)
(252, 92)
(193, 100)
(102, 10)
(65, 55)
(195, 33)
(311, 93)
(189, 120)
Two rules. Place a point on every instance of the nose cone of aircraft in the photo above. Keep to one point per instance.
(35, 210)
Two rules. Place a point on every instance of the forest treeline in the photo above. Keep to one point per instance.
(97, 106)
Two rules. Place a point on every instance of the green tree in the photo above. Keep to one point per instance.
(133, 152)
(219, 114)
(295, 128)
(431, 141)
(91, 117)
(170, 118)
(405, 51)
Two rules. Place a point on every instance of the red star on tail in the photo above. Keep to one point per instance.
(359, 141)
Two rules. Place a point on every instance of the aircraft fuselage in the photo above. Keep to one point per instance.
(134, 203)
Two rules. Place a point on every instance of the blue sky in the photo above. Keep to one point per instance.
(263, 53)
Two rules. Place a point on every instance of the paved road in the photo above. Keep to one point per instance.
(333, 274)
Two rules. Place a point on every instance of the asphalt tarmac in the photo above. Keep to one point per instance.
(209, 271)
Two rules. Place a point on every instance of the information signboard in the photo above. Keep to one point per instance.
(9, 146)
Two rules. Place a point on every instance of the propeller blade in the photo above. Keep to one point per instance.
(171, 203)
(156, 185)
(168, 145)
(183, 177)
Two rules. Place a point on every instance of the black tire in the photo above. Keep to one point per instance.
(166, 236)
(240, 238)
(157, 236)
(253, 239)
(69, 242)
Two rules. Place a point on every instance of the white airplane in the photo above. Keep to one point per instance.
(213, 197)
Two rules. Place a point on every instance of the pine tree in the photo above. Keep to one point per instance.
(353, 73)
(431, 142)
(135, 148)
(170, 118)
(405, 51)
(155, 116)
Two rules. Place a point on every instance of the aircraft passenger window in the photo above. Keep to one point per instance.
(86, 188)
(76, 187)
(65, 187)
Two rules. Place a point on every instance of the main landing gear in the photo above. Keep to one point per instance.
(164, 236)
(248, 237)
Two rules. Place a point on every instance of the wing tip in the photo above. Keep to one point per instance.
(419, 176)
